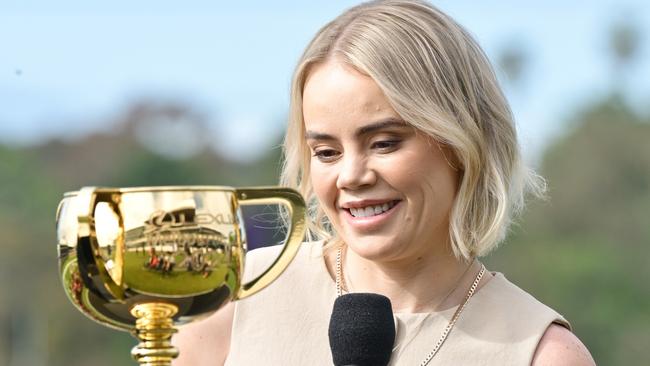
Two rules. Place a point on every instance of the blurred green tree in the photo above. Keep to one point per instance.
(585, 251)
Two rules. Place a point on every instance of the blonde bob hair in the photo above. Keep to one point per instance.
(437, 79)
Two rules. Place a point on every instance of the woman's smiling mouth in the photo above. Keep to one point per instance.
(371, 210)
(367, 216)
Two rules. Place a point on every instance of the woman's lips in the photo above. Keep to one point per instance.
(368, 223)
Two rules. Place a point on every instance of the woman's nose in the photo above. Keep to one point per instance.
(355, 173)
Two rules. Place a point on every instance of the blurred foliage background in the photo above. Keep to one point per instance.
(584, 251)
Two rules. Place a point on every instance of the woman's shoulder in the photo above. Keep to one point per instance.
(297, 305)
(502, 322)
(519, 317)
(261, 258)
(307, 268)
(559, 346)
(506, 298)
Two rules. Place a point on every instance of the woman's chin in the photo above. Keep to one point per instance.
(375, 249)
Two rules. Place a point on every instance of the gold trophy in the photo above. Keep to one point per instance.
(145, 259)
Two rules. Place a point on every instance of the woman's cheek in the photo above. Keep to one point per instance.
(321, 182)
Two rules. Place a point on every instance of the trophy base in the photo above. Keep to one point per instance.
(154, 329)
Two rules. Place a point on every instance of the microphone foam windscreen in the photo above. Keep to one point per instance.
(362, 330)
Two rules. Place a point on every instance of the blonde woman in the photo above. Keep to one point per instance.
(400, 139)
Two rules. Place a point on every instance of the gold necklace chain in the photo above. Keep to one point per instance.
(421, 323)
(452, 321)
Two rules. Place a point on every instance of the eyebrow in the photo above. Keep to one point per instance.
(361, 131)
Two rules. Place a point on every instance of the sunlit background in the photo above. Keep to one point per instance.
(130, 93)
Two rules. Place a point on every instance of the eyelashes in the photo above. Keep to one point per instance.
(326, 154)
(385, 145)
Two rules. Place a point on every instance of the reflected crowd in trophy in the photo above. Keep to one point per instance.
(194, 262)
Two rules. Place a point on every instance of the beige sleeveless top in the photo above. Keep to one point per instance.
(287, 323)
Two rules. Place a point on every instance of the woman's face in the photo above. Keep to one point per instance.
(386, 188)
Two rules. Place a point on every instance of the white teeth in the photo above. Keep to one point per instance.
(371, 210)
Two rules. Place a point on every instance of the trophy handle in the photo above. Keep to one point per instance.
(87, 246)
(296, 208)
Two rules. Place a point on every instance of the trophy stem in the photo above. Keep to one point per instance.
(154, 330)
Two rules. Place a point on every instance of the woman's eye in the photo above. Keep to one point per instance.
(326, 154)
(385, 145)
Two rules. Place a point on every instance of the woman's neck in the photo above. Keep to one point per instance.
(428, 283)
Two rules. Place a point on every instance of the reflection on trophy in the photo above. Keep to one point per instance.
(145, 259)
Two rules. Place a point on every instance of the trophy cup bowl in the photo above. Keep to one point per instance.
(146, 259)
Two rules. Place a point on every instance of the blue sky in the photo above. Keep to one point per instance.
(69, 67)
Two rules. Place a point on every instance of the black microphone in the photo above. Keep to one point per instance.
(362, 330)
